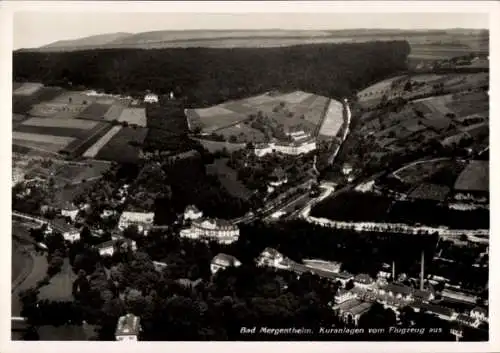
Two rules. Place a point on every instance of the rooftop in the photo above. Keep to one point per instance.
(137, 217)
(363, 278)
(225, 259)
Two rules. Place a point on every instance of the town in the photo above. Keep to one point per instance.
(148, 206)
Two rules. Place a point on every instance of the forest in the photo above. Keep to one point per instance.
(207, 76)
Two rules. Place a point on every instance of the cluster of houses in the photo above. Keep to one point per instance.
(351, 304)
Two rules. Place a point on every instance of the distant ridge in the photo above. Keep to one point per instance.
(246, 38)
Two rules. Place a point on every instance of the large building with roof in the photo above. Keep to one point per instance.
(208, 229)
(293, 148)
(142, 220)
(222, 261)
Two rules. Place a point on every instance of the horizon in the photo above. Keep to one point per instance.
(37, 29)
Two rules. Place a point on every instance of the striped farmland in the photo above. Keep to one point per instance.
(65, 123)
(96, 147)
(95, 111)
(79, 146)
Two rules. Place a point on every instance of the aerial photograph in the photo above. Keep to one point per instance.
(250, 177)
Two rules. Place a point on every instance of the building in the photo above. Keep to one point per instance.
(323, 265)
(457, 296)
(159, 266)
(351, 310)
(150, 98)
(467, 320)
(71, 235)
(109, 247)
(105, 214)
(272, 258)
(192, 212)
(403, 293)
(346, 169)
(363, 280)
(479, 313)
(222, 261)
(294, 148)
(442, 312)
(343, 295)
(278, 177)
(128, 328)
(143, 220)
(69, 210)
(207, 229)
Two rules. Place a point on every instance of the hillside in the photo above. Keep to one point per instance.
(259, 38)
(206, 76)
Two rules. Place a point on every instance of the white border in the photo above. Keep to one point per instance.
(6, 12)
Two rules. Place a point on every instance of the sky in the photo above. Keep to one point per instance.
(34, 29)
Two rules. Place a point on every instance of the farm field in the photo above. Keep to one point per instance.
(427, 191)
(73, 97)
(333, 120)
(228, 178)
(64, 123)
(113, 113)
(134, 116)
(475, 177)
(124, 146)
(31, 137)
(419, 171)
(214, 146)
(95, 111)
(68, 173)
(87, 139)
(96, 147)
(23, 104)
(27, 89)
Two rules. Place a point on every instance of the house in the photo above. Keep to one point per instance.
(143, 220)
(278, 177)
(71, 235)
(294, 148)
(383, 274)
(128, 328)
(207, 229)
(70, 210)
(363, 280)
(351, 310)
(192, 212)
(223, 261)
(150, 98)
(272, 258)
(467, 320)
(479, 313)
(159, 266)
(346, 169)
(105, 214)
(109, 247)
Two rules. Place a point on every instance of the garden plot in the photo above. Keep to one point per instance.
(65, 123)
(134, 116)
(27, 89)
(96, 147)
(333, 120)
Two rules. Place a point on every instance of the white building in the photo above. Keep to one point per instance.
(218, 230)
(363, 280)
(272, 258)
(479, 313)
(222, 261)
(142, 220)
(329, 266)
(343, 295)
(72, 235)
(70, 211)
(192, 212)
(346, 169)
(291, 148)
(128, 328)
(151, 98)
(107, 213)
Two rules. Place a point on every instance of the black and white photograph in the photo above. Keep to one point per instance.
(234, 175)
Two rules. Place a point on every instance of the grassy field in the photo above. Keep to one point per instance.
(68, 173)
(27, 89)
(54, 122)
(23, 104)
(96, 147)
(333, 120)
(475, 177)
(81, 144)
(32, 137)
(214, 146)
(124, 146)
(136, 116)
(72, 97)
(243, 133)
(95, 111)
(228, 178)
(114, 112)
(60, 286)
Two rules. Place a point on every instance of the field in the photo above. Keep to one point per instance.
(228, 178)
(419, 171)
(124, 146)
(241, 133)
(27, 89)
(96, 147)
(134, 116)
(475, 177)
(333, 120)
(290, 110)
(23, 104)
(64, 123)
(113, 113)
(73, 97)
(428, 191)
(20, 260)
(214, 146)
(56, 140)
(81, 144)
(422, 51)
(68, 173)
(95, 111)
(60, 287)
